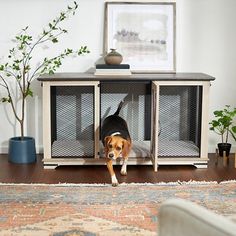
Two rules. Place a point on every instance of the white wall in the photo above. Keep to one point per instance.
(205, 43)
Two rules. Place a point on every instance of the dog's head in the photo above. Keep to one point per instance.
(116, 146)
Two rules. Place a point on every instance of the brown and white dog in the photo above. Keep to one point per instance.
(117, 142)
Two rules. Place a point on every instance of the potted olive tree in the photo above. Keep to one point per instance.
(224, 125)
(18, 73)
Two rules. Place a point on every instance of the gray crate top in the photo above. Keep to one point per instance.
(134, 77)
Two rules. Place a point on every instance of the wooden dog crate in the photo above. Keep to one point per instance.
(167, 116)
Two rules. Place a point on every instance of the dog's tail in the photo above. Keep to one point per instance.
(119, 108)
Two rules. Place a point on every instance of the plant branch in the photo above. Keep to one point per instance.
(53, 27)
(3, 85)
(10, 99)
(49, 38)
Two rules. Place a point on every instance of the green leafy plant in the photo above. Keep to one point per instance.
(233, 132)
(19, 70)
(224, 123)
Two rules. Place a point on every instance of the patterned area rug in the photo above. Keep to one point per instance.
(130, 209)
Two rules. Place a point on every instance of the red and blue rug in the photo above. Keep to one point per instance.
(129, 209)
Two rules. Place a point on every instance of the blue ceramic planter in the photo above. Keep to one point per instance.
(22, 151)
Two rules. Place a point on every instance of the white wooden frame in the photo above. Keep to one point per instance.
(49, 162)
(202, 160)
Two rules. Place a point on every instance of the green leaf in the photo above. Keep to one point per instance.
(76, 4)
(25, 28)
(54, 40)
(27, 68)
(69, 51)
(83, 49)
(218, 113)
(6, 99)
(62, 16)
(24, 37)
(16, 67)
(29, 92)
(234, 129)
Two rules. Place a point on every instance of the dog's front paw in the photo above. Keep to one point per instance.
(123, 172)
(115, 184)
(114, 181)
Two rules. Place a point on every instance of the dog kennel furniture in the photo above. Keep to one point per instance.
(167, 116)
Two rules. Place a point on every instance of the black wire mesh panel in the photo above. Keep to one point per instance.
(179, 121)
(73, 121)
(136, 110)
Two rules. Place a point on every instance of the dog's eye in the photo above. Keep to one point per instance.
(110, 146)
(118, 148)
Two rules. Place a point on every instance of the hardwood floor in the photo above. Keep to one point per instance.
(34, 173)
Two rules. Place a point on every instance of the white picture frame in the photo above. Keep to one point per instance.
(144, 33)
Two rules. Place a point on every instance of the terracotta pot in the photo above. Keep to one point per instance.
(113, 57)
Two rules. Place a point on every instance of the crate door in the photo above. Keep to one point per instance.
(74, 121)
(179, 121)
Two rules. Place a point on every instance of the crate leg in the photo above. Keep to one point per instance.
(225, 159)
(50, 166)
(235, 160)
(216, 157)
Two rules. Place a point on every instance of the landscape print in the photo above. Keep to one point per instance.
(143, 34)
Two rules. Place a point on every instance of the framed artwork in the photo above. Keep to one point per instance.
(144, 33)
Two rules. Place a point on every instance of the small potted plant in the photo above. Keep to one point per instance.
(223, 125)
(19, 72)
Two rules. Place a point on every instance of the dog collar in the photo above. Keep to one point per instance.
(116, 133)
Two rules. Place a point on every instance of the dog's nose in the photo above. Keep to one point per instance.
(111, 155)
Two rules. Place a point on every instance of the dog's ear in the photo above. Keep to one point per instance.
(126, 148)
(107, 140)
